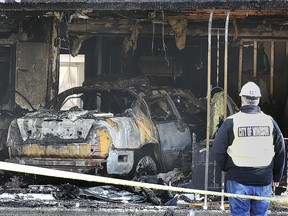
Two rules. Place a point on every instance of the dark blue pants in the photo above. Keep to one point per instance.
(246, 207)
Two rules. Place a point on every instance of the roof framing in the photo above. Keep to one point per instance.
(143, 5)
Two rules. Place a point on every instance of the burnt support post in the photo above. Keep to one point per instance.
(208, 106)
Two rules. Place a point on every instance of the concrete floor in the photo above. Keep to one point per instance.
(121, 209)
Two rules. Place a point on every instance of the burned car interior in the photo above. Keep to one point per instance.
(112, 101)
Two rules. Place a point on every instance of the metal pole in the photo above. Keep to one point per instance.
(226, 64)
(225, 97)
(218, 57)
(240, 66)
(272, 68)
(208, 106)
(255, 60)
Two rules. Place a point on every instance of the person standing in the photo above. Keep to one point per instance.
(250, 148)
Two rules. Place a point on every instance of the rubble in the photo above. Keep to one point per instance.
(103, 199)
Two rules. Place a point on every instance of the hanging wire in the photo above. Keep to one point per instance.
(153, 36)
(153, 17)
(163, 38)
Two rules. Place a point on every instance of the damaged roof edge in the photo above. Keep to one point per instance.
(46, 5)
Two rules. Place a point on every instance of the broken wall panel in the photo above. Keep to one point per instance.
(31, 73)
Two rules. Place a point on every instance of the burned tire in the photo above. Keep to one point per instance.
(146, 166)
(144, 163)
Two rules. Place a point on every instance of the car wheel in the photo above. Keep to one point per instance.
(145, 166)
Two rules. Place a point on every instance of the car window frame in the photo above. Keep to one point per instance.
(170, 103)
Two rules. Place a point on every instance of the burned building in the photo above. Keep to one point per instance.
(180, 44)
(166, 40)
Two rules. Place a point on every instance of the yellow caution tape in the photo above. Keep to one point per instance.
(106, 180)
(201, 204)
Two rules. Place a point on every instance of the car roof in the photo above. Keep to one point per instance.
(134, 86)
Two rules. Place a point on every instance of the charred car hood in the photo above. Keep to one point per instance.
(48, 125)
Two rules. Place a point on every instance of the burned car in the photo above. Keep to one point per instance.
(117, 128)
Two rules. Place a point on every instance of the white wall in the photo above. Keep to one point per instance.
(71, 74)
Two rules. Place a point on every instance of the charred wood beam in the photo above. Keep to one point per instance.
(123, 27)
(141, 5)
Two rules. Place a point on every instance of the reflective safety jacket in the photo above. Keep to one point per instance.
(250, 148)
(253, 140)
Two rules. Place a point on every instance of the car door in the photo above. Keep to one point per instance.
(174, 134)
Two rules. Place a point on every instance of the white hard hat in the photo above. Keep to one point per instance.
(250, 89)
